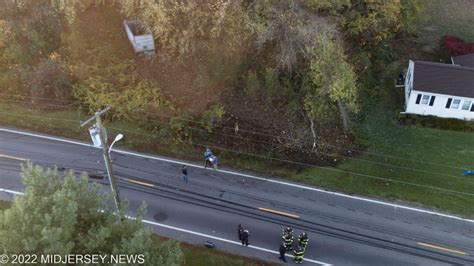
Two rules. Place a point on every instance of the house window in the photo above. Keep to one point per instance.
(425, 99)
(466, 105)
(432, 100)
(448, 104)
(455, 104)
(418, 98)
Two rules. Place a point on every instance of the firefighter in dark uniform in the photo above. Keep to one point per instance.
(240, 231)
(282, 252)
(303, 240)
(287, 236)
(299, 254)
(287, 231)
(288, 241)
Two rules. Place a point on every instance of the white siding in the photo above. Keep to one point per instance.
(439, 106)
(409, 81)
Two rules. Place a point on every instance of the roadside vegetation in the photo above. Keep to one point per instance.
(297, 89)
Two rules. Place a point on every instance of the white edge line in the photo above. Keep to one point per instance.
(11, 191)
(225, 240)
(193, 233)
(249, 176)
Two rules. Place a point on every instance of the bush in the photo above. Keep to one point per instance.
(118, 85)
(457, 46)
(51, 79)
(213, 115)
(436, 122)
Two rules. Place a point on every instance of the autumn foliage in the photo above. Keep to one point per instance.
(457, 46)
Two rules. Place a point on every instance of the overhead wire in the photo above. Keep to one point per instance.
(401, 167)
(319, 167)
(325, 153)
(331, 169)
(325, 144)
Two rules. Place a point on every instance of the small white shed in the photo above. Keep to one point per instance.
(140, 36)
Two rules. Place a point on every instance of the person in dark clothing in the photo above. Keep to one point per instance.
(245, 237)
(282, 252)
(184, 170)
(240, 231)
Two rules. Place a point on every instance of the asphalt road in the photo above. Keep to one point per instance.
(343, 230)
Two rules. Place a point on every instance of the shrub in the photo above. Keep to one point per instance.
(436, 122)
(118, 85)
(457, 46)
(51, 79)
(213, 115)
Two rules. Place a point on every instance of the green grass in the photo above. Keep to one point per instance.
(4, 205)
(201, 256)
(425, 156)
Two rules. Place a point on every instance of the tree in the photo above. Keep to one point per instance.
(331, 81)
(60, 215)
(371, 22)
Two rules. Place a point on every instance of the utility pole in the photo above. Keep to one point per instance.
(105, 152)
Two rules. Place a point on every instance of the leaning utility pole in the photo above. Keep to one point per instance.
(105, 152)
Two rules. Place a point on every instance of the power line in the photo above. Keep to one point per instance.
(324, 144)
(367, 161)
(348, 157)
(319, 167)
(40, 117)
(36, 97)
(316, 166)
(401, 167)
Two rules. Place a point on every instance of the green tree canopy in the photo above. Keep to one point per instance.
(60, 215)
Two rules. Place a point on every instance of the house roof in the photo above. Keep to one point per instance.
(443, 79)
(464, 60)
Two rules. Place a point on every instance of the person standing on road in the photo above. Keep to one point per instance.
(240, 231)
(282, 252)
(184, 170)
(207, 155)
(245, 237)
(303, 240)
(299, 255)
(288, 241)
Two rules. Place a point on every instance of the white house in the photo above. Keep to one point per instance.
(443, 90)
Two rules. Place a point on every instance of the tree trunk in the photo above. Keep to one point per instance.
(344, 115)
(313, 132)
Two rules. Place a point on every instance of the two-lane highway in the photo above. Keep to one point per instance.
(343, 229)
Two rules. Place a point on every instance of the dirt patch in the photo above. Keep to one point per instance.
(179, 83)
